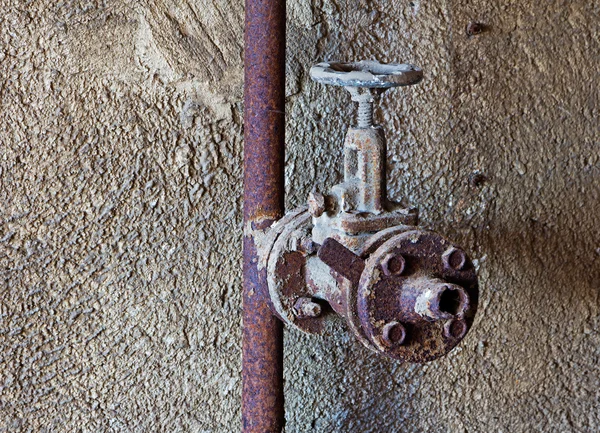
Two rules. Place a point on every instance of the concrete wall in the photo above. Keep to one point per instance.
(120, 212)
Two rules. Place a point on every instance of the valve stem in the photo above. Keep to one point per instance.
(365, 114)
(366, 98)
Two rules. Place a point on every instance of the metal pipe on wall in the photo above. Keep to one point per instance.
(264, 133)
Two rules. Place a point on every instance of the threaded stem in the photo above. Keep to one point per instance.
(365, 114)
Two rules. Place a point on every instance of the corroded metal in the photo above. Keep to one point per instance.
(366, 73)
(423, 298)
(341, 260)
(393, 264)
(359, 204)
(307, 308)
(399, 298)
(286, 268)
(406, 293)
(262, 363)
(393, 334)
(366, 80)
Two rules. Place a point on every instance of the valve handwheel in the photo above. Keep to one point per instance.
(366, 73)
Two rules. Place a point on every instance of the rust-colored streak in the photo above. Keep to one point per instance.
(264, 93)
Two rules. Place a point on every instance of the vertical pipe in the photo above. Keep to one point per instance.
(264, 98)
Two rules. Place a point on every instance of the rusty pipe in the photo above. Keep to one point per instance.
(264, 130)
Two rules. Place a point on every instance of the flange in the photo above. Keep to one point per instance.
(286, 267)
(422, 281)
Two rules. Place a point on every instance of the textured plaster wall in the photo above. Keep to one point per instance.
(120, 212)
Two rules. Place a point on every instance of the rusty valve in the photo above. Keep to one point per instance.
(404, 292)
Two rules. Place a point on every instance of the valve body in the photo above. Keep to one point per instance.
(404, 292)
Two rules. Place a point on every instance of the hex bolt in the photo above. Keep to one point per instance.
(455, 328)
(454, 258)
(316, 204)
(306, 308)
(393, 334)
(393, 264)
(308, 246)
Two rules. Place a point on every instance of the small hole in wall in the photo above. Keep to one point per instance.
(450, 302)
(415, 5)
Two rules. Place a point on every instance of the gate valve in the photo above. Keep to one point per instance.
(404, 292)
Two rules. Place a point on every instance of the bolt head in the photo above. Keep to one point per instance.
(307, 245)
(455, 328)
(393, 334)
(454, 258)
(393, 264)
(316, 204)
(306, 308)
(347, 202)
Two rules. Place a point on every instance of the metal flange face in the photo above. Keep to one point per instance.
(417, 297)
(350, 290)
(286, 277)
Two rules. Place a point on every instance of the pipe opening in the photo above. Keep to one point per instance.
(450, 301)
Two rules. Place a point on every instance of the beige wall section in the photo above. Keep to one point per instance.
(120, 212)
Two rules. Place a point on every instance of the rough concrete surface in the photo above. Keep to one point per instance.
(120, 212)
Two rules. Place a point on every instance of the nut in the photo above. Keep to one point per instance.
(316, 204)
(393, 334)
(393, 264)
(307, 245)
(455, 329)
(347, 202)
(454, 258)
(306, 308)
